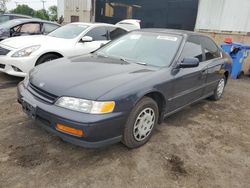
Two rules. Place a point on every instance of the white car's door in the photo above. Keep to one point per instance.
(100, 37)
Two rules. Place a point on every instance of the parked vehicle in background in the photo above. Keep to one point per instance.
(123, 90)
(7, 17)
(22, 27)
(18, 56)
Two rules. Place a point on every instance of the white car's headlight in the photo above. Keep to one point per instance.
(86, 106)
(26, 51)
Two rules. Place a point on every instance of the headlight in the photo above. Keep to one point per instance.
(26, 51)
(86, 106)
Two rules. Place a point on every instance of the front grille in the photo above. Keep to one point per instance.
(41, 94)
(2, 66)
(4, 51)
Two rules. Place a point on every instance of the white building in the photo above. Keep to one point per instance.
(76, 10)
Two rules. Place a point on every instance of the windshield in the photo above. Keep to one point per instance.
(69, 31)
(154, 49)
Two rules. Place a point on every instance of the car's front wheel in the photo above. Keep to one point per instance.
(141, 123)
(218, 92)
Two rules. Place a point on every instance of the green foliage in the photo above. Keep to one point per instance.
(23, 9)
(42, 14)
(53, 13)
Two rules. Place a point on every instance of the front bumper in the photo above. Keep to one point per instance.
(99, 130)
(24, 64)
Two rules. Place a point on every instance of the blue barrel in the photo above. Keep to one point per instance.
(239, 53)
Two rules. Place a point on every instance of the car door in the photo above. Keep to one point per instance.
(214, 62)
(100, 37)
(188, 83)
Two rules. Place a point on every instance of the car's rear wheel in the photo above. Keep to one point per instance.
(218, 92)
(141, 123)
(46, 58)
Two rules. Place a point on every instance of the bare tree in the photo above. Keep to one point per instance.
(3, 7)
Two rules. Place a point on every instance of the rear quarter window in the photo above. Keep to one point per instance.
(47, 28)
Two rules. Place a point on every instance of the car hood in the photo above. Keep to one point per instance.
(89, 77)
(26, 41)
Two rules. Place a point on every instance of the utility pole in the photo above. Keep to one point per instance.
(43, 2)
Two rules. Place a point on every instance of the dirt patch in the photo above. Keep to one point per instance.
(204, 145)
(177, 166)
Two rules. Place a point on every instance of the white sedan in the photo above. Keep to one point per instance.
(19, 55)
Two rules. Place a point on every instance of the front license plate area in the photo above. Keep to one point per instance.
(29, 109)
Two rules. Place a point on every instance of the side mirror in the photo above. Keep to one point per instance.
(86, 39)
(189, 63)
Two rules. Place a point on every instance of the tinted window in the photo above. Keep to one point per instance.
(144, 48)
(192, 49)
(30, 28)
(210, 48)
(98, 33)
(47, 28)
(115, 32)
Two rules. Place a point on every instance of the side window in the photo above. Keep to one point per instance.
(115, 32)
(98, 33)
(30, 28)
(210, 48)
(192, 48)
(47, 28)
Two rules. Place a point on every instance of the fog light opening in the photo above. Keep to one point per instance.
(16, 69)
(69, 130)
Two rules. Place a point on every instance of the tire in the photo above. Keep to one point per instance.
(218, 92)
(146, 110)
(46, 58)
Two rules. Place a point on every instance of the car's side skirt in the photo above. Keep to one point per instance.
(178, 109)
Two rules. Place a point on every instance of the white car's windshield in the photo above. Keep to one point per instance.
(156, 49)
(69, 31)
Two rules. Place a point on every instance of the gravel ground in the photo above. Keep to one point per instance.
(205, 145)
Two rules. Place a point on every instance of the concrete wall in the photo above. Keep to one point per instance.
(60, 8)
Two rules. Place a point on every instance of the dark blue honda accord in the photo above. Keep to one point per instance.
(124, 89)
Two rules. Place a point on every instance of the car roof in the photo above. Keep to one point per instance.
(20, 15)
(171, 31)
(93, 24)
(24, 20)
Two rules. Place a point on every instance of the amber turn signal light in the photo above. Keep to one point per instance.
(69, 130)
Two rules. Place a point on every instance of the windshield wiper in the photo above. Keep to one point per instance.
(133, 61)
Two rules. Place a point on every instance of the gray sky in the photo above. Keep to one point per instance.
(35, 4)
